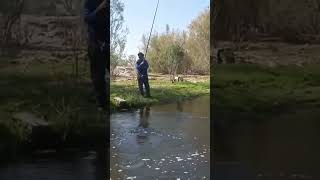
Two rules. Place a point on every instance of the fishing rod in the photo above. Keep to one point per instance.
(154, 17)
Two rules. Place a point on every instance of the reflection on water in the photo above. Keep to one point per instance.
(144, 116)
(164, 142)
(143, 124)
(279, 148)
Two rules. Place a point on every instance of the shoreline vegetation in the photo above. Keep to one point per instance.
(162, 91)
(248, 91)
(43, 105)
(51, 93)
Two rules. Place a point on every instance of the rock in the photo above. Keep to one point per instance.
(30, 119)
(41, 134)
(120, 102)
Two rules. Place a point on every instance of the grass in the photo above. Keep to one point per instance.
(49, 90)
(162, 91)
(260, 91)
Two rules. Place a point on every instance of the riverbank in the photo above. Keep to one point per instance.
(253, 91)
(162, 91)
(44, 105)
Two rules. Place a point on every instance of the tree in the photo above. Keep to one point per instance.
(173, 52)
(132, 60)
(144, 40)
(167, 53)
(198, 44)
(68, 5)
(11, 11)
(74, 33)
(117, 33)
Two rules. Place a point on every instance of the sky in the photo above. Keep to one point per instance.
(138, 16)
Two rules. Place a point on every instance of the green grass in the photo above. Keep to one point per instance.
(51, 92)
(48, 91)
(262, 91)
(162, 91)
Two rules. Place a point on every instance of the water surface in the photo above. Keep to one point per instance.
(282, 147)
(162, 142)
(73, 164)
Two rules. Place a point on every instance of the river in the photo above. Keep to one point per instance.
(69, 164)
(281, 147)
(169, 141)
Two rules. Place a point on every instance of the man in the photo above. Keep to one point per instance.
(142, 70)
(96, 18)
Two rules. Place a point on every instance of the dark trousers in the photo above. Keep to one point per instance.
(98, 66)
(144, 81)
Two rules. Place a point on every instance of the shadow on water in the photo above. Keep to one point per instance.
(278, 148)
(165, 141)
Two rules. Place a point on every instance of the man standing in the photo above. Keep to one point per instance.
(96, 16)
(142, 70)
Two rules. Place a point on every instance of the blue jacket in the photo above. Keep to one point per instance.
(142, 67)
(97, 22)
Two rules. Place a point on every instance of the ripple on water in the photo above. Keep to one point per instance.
(179, 155)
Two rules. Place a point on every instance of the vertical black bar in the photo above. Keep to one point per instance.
(211, 89)
(107, 140)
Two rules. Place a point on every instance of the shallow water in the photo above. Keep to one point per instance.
(50, 165)
(162, 142)
(279, 148)
(159, 142)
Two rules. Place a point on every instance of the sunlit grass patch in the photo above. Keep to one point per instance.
(162, 91)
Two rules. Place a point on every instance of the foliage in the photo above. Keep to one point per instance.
(166, 53)
(238, 20)
(117, 33)
(198, 43)
(174, 52)
(56, 99)
(11, 13)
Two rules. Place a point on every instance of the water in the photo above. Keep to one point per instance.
(162, 142)
(278, 148)
(50, 165)
(173, 141)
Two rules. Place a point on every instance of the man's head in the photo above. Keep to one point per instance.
(140, 55)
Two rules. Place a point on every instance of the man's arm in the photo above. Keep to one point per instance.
(89, 13)
(138, 69)
(139, 65)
